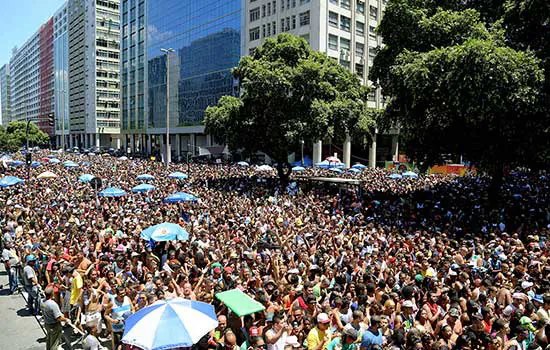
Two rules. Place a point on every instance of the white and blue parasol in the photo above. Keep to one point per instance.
(165, 232)
(169, 324)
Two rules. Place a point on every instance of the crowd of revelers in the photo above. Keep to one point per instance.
(426, 263)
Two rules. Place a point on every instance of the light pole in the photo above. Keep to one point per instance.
(302, 144)
(168, 148)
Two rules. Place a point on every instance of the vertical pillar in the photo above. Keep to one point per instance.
(97, 140)
(162, 147)
(372, 153)
(178, 146)
(317, 151)
(193, 142)
(132, 143)
(70, 141)
(347, 151)
(118, 142)
(81, 140)
(148, 140)
(395, 147)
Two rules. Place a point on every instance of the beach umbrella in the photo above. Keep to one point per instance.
(395, 176)
(145, 177)
(323, 164)
(359, 166)
(54, 161)
(165, 232)
(410, 174)
(264, 168)
(123, 158)
(7, 181)
(16, 163)
(354, 170)
(178, 175)
(47, 175)
(86, 163)
(51, 156)
(5, 157)
(143, 188)
(336, 170)
(91, 154)
(35, 164)
(70, 164)
(169, 324)
(112, 192)
(85, 178)
(298, 168)
(240, 303)
(243, 164)
(180, 197)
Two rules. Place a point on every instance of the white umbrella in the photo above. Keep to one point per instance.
(264, 168)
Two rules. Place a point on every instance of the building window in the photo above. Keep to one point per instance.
(359, 68)
(274, 7)
(269, 29)
(254, 33)
(345, 23)
(269, 9)
(304, 18)
(255, 14)
(304, 2)
(293, 3)
(361, 7)
(274, 26)
(287, 23)
(374, 12)
(345, 4)
(282, 24)
(282, 5)
(359, 49)
(332, 42)
(360, 28)
(263, 11)
(293, 22)
(333, 19)
(334, 2)
(372, 54)
(263, 30)
(372, 32)
(345, 64)
(345, 44)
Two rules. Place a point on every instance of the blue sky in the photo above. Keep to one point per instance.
(19, 19)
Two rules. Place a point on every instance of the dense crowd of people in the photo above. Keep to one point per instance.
(424, 263)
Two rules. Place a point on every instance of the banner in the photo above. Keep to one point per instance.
(399, 166)
(457, 169)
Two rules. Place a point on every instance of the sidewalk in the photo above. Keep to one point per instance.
(19, 330)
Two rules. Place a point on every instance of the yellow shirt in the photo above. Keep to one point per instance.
(315, 337)
(76, 286)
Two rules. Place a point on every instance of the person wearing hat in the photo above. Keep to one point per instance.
(30, 283)
(347, 341)
(319, 336)
(544, 309)
(373, 335)
(405, 319)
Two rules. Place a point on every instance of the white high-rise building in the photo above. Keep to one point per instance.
(61, 75)
(344, 29)
(94, 69)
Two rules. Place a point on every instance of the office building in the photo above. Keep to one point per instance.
(5, 100)
(31, 79)
(94, 65)
(343, 29)
(205, 38)
(61, 76)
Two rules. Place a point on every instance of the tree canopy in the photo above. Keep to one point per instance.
(13, 136)
(289, 93)
(468, 78)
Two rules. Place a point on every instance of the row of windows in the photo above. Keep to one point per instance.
(360, 7)
(345, 24)
(345, 46)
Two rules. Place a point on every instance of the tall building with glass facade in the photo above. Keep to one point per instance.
(5, 101)
(205, 38)
(61, 75)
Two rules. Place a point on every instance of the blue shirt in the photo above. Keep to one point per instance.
(370, 339)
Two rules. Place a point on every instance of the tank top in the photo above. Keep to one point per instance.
(120, 311)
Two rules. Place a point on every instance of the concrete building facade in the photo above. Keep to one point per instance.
(343, 29)
(94, 65)
(5, 90)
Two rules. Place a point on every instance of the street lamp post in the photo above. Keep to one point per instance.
(302, 144)
(168, 148)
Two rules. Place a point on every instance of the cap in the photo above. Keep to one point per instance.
(350, 331)
(254, 332)
(217, 270)
(323, 318)
(419, 278)
(526, 323)
(407, 303)
(518, 296)
(31, 258)
(454, 312)
(228, 269)
(526, 284)
(538, 298)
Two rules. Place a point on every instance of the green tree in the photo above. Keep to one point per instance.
(13, 137)
(462, 78)
(289, 93)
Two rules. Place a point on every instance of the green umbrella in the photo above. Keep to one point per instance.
(239, 303)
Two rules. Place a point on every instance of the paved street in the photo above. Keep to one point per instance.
(19, 330)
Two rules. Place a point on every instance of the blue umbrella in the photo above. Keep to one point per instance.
(323, 164)
(243, 164)
(298, 168)
(35, 164)
(86, 178)
(145, 177)
(143, 188)
(354, 170)
(359, 166)
(70, 164)
(16, 163)
(86, 163)
(410, 174)
(51, 156)
(5, 157)
(54, 161)
(165, 232)
(336, 170)
(395, 176)
(178, 175)
(169, 324)
(7, 181)
(112, 192)
(180, 197)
